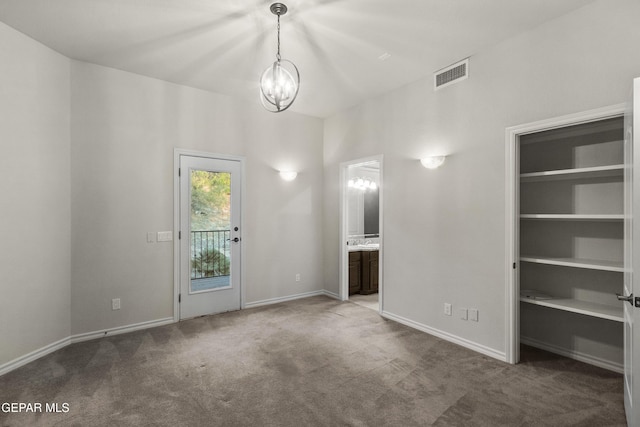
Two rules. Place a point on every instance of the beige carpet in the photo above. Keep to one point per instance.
(316, 362)
(369, 301)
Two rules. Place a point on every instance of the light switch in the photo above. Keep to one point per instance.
(463, 313)
(165, 236)
(473, 314)
(151, 237)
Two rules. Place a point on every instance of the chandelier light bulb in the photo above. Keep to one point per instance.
(278, 86)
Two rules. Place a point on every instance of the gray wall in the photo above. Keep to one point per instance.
(35, 196)
(444, 230)
(124, 130)
(88, 171)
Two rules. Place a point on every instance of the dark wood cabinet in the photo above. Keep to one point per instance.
(369, 273)
(363, 272)
(370, 286)
(355, 272)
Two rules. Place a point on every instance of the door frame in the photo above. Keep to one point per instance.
(177, 152)
(344, 253)
(512, 181)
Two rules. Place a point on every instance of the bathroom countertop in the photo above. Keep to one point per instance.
(369, 247)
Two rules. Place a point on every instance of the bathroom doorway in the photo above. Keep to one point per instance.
(361, 243)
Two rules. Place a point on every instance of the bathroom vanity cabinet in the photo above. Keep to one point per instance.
(369, 273)
(355, 272)
(363, 272)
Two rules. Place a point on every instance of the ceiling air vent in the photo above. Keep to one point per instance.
(451, 74)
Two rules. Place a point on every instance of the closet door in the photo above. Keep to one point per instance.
(632, 238)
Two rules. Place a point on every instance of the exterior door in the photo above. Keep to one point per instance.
(632, 264)
(209, 235)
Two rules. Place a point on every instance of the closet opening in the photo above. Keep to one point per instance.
(567, 237)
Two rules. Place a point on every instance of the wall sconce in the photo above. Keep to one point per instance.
(288, 175)
(432, 162)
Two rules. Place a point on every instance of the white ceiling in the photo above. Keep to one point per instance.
(224, 45)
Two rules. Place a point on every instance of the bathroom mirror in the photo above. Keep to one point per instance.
(372, 213)
(363, 201)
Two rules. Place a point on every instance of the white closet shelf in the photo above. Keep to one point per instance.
(574, 131)
(577, 263)
(577, 173)
(575, 217)
(602, 311)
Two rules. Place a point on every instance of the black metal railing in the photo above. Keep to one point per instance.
(210, 251)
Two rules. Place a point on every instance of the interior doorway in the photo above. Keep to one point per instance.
(361, 234)
(209, 243)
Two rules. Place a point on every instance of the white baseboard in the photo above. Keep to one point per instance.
(447, 336)
(36, 354)
(283, 299)
(575, 355)
(331, 295)
(30, 357)
(120, 330)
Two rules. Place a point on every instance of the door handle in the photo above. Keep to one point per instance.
(234, 240)
(630, 299)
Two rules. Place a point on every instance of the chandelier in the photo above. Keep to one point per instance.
(280, 82)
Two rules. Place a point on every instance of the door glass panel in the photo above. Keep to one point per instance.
(210, 231)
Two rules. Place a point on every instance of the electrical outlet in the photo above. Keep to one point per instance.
(297, 277)
(151, 237)
(463, 313)
(473, 314)
(447, 309)
(165, 236)
(115, 304)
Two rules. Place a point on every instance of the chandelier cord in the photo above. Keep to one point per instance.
(278, 54)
